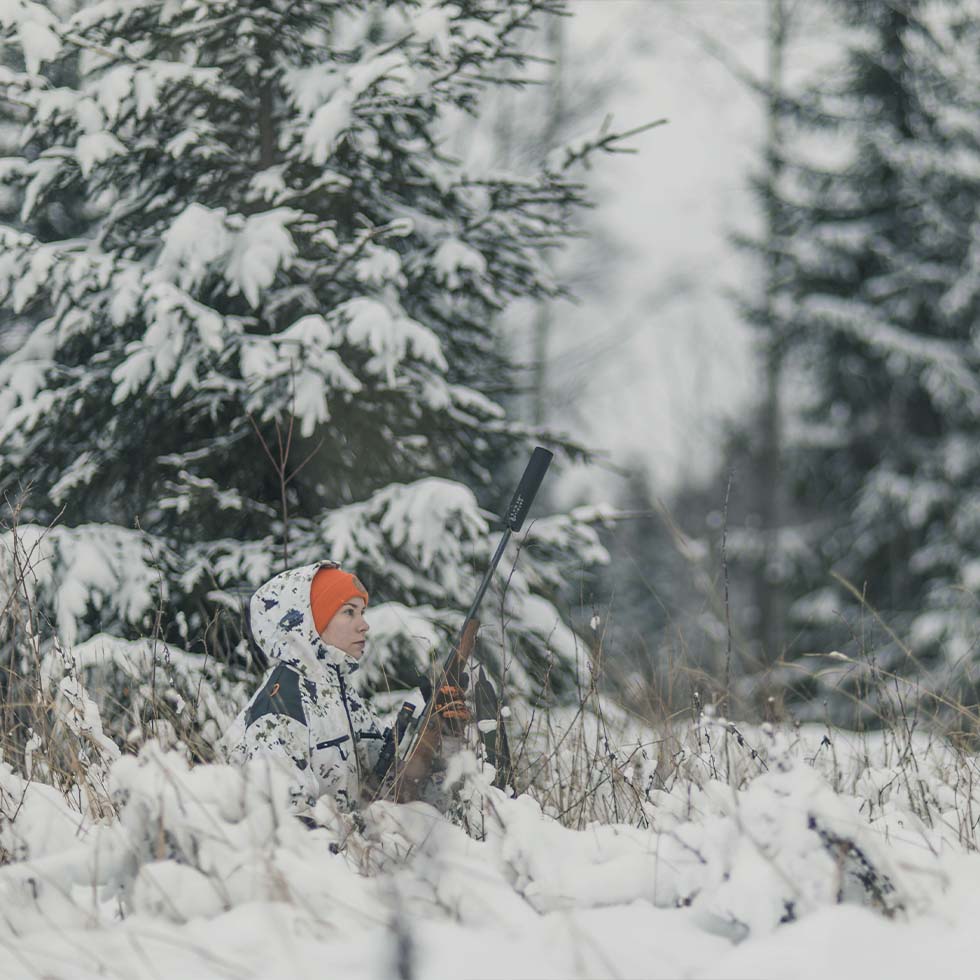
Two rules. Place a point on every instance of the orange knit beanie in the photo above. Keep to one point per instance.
(330, 589)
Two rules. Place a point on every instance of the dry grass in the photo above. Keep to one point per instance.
(595, 759)
(65, 719)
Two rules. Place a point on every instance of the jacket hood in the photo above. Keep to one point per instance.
(281, 622)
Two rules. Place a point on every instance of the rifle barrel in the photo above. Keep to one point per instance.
(523, 497)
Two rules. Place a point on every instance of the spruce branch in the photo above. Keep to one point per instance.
(605, 142)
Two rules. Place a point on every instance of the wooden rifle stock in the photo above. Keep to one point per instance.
(416, 767)
(412, 759)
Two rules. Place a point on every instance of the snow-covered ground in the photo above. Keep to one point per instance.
(770, 852)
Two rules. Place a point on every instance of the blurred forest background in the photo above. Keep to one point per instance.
(832, 541)
(753, 340)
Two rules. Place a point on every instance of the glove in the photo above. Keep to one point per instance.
(424, 683)
(451, 709)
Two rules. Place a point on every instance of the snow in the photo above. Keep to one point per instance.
(942, 362)
(79, 473)
(391, 335)
(432, 24)
(393, 624)
(38, 40)
(302, 354)
(251, 249)
(688, 851)
(454, 257)
(74, 569)
(328, 124)
(331, 120)
(379, 266)
(95, 148)
(311, 86)
(196, 238)
(261, 248)
(812, 858)
(416, 521)
(971, 576)
(149, 279)
(23, 376)
(42, 172)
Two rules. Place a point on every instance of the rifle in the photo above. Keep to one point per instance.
(410, 743)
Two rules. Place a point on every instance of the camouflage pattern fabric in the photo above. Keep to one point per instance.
(306, 714)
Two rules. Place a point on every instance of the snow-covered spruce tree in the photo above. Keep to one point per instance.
(62, 216)
(880, 310)
(272, 349)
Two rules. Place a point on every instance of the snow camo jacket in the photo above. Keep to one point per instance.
(305, 714)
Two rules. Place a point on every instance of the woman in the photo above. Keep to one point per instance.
(309, 623)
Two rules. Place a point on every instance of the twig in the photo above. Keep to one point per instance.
(728, 610)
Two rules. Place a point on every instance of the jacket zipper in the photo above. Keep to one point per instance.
(350, 723)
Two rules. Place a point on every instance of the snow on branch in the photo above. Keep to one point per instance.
(433, 525)
(35, 28)
(76, 573)
(950, 372)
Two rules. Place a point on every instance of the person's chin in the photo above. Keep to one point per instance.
(356, 651)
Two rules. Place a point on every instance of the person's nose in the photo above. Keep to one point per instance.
(364, 627)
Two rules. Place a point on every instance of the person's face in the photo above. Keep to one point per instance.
(348, 629)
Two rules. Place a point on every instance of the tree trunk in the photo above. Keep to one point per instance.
(768, 587)
(544, 318)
